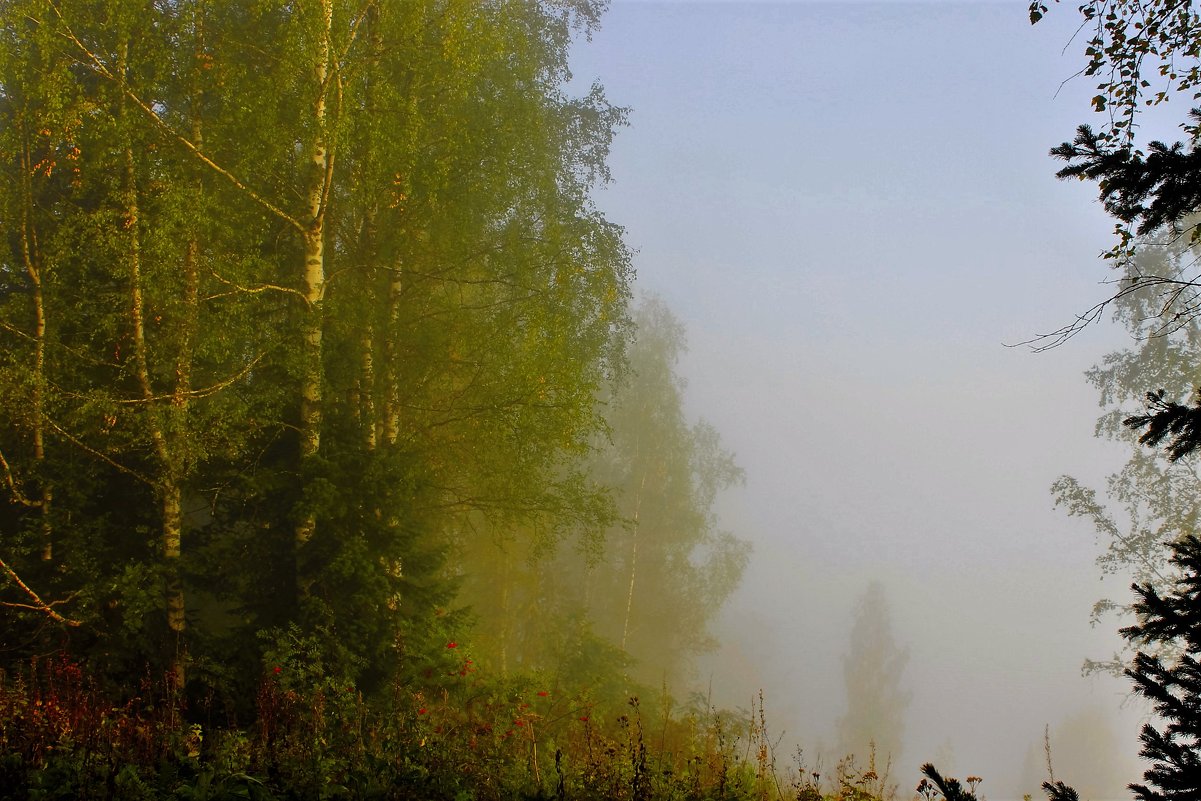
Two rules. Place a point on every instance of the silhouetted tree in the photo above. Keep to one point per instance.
(1173, 687)
(1142, 53)
(1152, 499)
(1168, 420)
(951, 790)
(1148, 192)
(1058, 791)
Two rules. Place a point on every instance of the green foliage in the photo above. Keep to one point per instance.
(304, 309)
(628, 607)
(201, 440)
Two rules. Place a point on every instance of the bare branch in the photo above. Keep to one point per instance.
(74, 440)
(12, 485)
(38, 604)
(203, 392)
(251, 290)
(1174, 289)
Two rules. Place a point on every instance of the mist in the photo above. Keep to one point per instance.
(851, 209)
(491, 400)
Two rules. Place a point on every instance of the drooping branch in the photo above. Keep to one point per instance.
(1181, 304)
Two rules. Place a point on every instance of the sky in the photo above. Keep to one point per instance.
(851, 208)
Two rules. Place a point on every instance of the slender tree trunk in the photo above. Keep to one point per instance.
(31, 254)
(321, 159)
(391, 413)
(625, 627)
(167, 480)
(367, 416)
(168, 427)
(366, 404)
(506, 617)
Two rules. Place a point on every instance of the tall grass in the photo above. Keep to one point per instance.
(474, 738)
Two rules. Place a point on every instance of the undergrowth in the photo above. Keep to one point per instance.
(473, 738)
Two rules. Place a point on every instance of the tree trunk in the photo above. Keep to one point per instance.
(625, 627)
(31, 254)
(320, 166)
(167, 483)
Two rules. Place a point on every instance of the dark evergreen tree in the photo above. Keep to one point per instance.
(1149, 192)
(1174, 688)
(1058, 791)
(1142, 54)
(935, 784)
(1178, 423)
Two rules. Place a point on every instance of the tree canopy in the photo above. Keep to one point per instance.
(295, 298)
(1141, 54)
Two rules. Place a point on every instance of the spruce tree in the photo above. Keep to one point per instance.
(1173, 748)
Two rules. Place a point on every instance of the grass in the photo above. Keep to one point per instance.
(474, 738)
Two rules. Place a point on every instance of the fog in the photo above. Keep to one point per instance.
(851, 208)
(341, 452)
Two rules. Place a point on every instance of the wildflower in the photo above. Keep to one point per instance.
(277, 670)
(584, 719)
(422, 711)
(543, 693)
(452, 644)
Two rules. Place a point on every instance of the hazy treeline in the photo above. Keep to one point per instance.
(310, 332)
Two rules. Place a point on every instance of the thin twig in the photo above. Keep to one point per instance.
(101, 456)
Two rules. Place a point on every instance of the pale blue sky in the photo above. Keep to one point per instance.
(851, 208)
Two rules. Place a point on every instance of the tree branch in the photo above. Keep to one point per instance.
(38, 604)
(97, 65)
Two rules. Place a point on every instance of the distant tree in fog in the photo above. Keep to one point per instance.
(872, 670)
